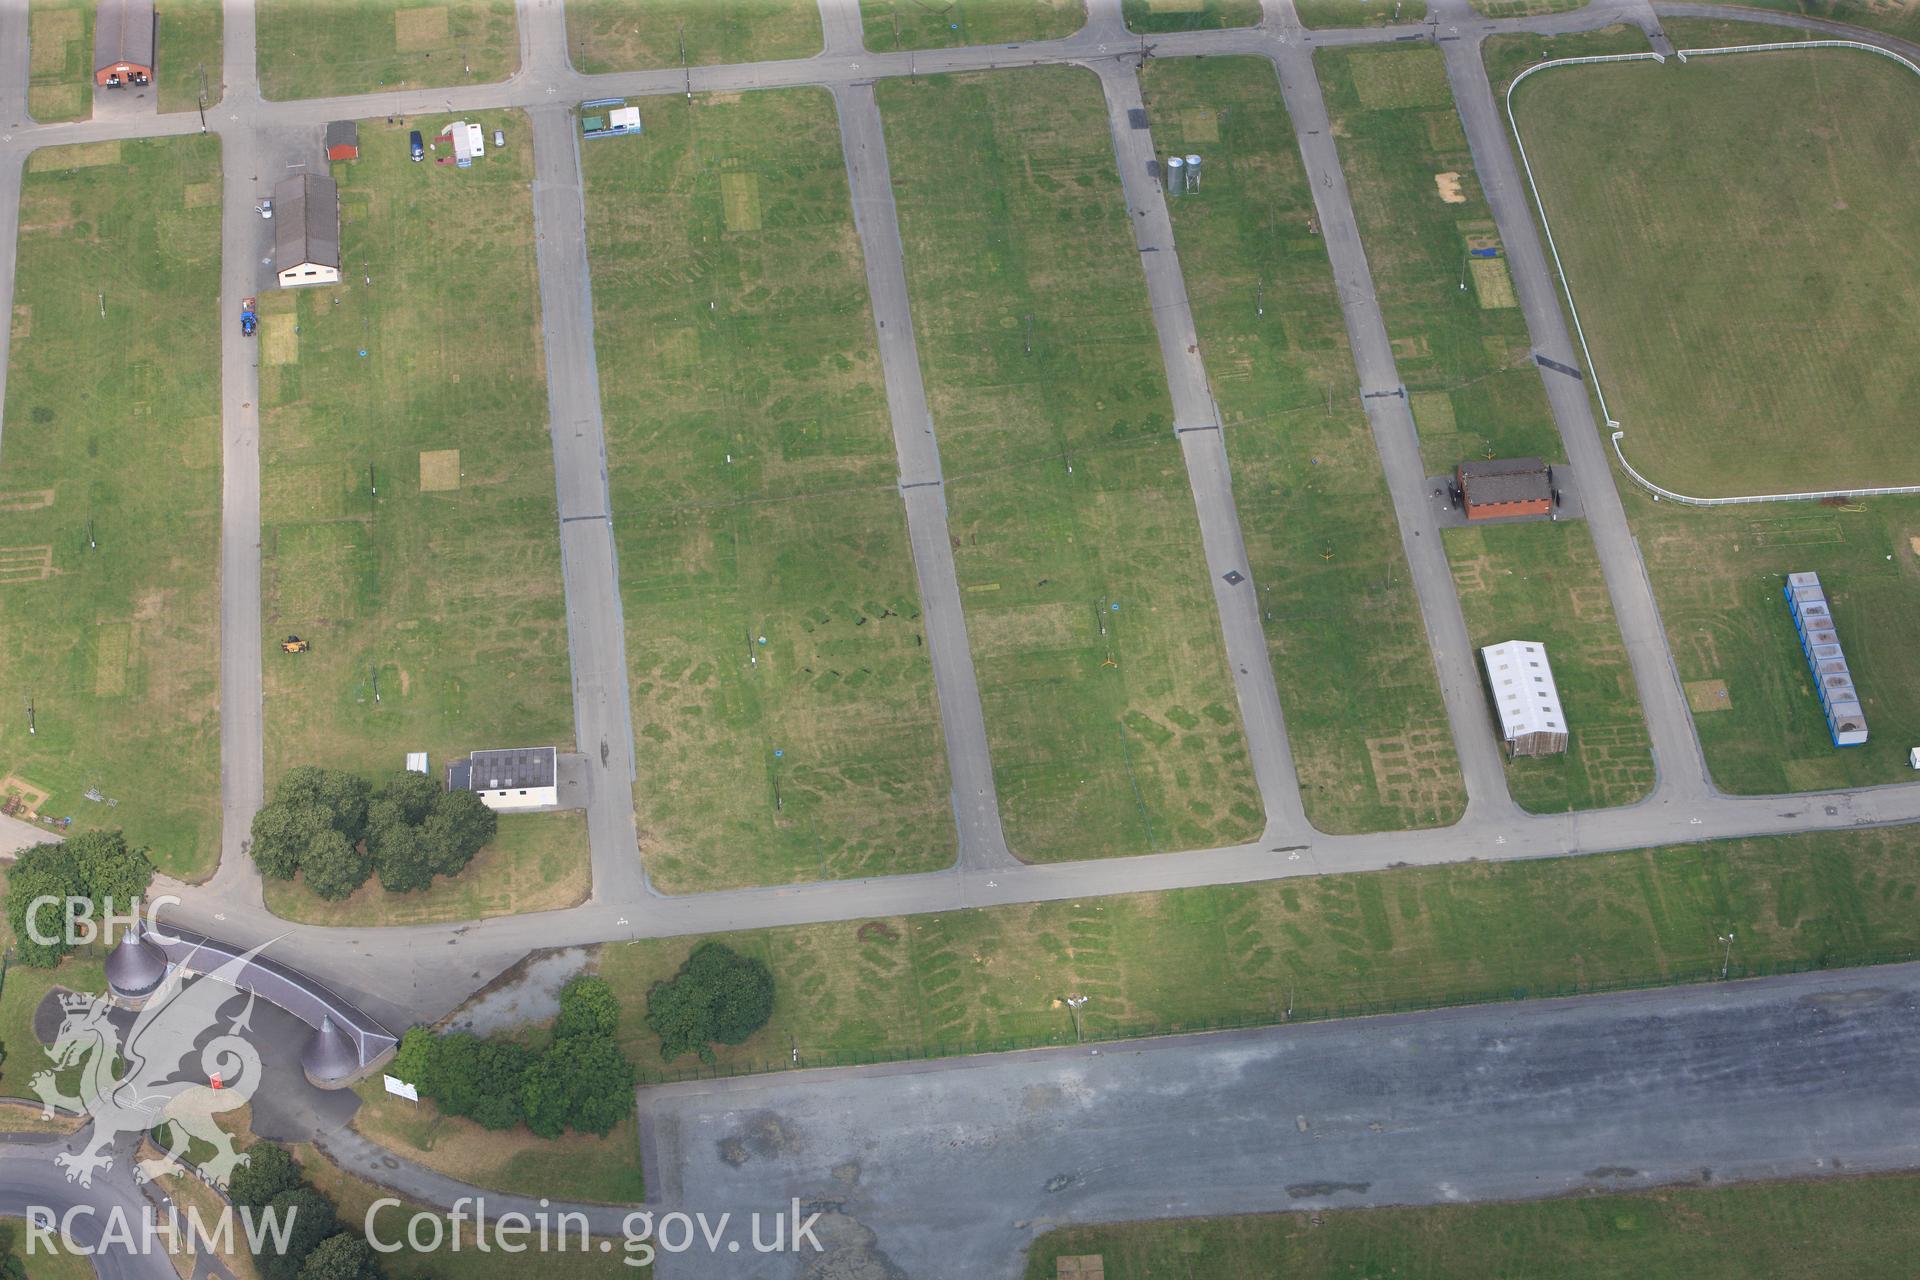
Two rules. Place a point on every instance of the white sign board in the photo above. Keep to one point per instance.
(396, 1085)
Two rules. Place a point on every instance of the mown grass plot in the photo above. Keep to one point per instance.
(910, 24)
(1108, 704)
(619, 35)
(783, 703)
(317, 48)
(110, 498)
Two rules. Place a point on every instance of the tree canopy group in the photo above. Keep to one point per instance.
(318, 1245)
(580, 1081)
(335, 830)
(718, 997)
(98, 866)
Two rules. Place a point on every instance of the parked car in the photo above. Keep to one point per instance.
(499, 139)
(266, 209)
(416, 148)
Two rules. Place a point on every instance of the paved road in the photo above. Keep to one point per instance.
(976, 804)
(949, 1169)
(1197, 426)
(30, 1179)
(381, 967)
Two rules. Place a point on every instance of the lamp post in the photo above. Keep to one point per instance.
(1073, 1005)
(1726, 961)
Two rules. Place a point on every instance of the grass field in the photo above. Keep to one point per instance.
(619, 35)
(317, 48)
(434, 612)
(1542, 582)
(575, 1166)
(1717, 574)
(914, 24)
(1108, 704)
(1326, 946)
(537, 862)
(1189, 15)
(1358, 13)
(1769, 187)
(354, 1198)
(60, 68)
(1459, 339)
(783, 700)
(113, 437)
(44, 1263)
(1895, 17)
(1369, 733)
(1523, 8)
(1860, 1227)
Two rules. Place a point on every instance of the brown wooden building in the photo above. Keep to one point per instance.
(123, 36)
(1505, 487)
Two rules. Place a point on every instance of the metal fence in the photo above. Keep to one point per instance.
(1566, 288)
(1103, 1032)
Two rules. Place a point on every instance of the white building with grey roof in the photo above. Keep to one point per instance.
(1526, 698)
(306, 233)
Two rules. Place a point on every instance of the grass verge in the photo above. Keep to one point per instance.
(575, 1166)
(1153, 16)
(319, 48)
(60, 60)
(782, 695)
(1779, 182)
(619, 35)
(994, 979)
(1542, 582)
(1370, 736)
(354, 1198)
(110, 496)
(1108, 704)
(1857, 1226)
(434, 609)
(537, 862)
(1359, 13)
(49, 1263)
(910, 24)
(1459, 338)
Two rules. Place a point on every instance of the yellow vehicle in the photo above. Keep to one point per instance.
(293, 644)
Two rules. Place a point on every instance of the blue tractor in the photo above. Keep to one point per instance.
(249, 318)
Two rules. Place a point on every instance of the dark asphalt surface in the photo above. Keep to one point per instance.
(950, 1169)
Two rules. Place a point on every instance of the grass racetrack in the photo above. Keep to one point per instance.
(1737, 233)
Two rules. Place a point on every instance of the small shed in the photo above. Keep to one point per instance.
(343, 140)
(608, 118)
(516, 778)
(123, 40)
(1526, 698)
(1505, 487)
(306, 230)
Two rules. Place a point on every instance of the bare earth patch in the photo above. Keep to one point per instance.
(1707, 695)
(439, 470)
(416, 29)
(1449, 184)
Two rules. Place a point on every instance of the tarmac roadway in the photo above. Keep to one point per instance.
(384, 969)
(950, 1169)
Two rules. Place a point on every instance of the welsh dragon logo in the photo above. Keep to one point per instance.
(148, 1089)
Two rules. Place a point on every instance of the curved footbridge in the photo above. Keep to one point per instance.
(347, 1043)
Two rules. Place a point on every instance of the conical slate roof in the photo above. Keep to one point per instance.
(136, 966)
(330, 1054)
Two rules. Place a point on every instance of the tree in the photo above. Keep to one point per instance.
(343, 795)
(309, 1218)
(401, 855)
(282, 834)
(458, 827)
(44, 871)
(588, 1007)
(333, 868)
(583, 1083)
(268, 1172)
(413, 1060)
(719, 996)
(115, 875)
(342, 1257)
(406, 797)
(480, 1079)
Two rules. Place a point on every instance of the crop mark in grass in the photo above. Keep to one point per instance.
(26, 564)
(1413, 771)
(740, 199)
(1492, 284)
(26, 500)
(1810, 531)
